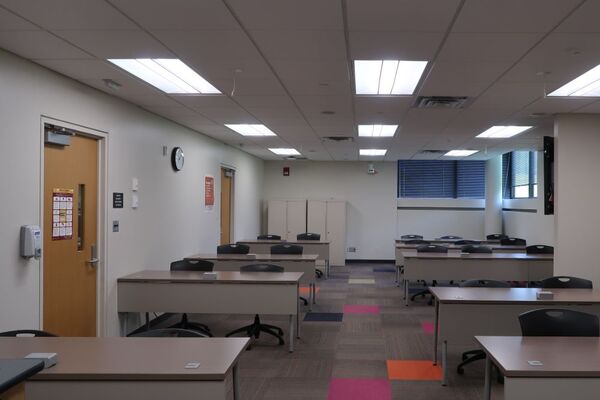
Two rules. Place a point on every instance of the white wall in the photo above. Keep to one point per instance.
(170, 222)
(371, 199)
(576, 195)
(535, 227)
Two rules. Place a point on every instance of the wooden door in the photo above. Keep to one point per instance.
(296, 218)
(70, 176)
(226, 205)
(336, 232)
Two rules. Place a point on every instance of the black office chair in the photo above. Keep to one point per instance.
(268, 237)
(476, 249)
(237, 248)
(464, 242)
(168, 332)
(410, 237)
(558, 322)
(451, 237)
(192, 265)
(471, 356)
(539, 249)
(566, 282)
(513, 242)
(27, 332)
(289, 249)
(257, 327)
(496, 236)
(428, 248)
(416, 241)
(311, 236)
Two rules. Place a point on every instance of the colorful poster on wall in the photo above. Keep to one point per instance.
(62, 214)
(209, 192)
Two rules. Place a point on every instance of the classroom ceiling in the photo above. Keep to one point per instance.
(293, 60)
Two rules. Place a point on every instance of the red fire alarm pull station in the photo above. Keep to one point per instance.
(286, 171)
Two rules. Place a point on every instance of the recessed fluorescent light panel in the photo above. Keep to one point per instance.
(503, 131)
(372, 152)
(169, 75)
(460, 153)
(377, 130)
(251, 129)
(586, 85)
(280, 151)
(387, 77)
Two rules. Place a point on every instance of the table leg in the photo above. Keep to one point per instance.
(298, 318)
(291, 324)
(487, 387)
(444, 363)
(314, 296)
(147, 321)
(406, 292)
(327, 269)
(435, 331)
(237, 394)
(397, 275)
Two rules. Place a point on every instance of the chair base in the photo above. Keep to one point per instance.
(468, 358)
(193, 326)
(257, 327)
(304, 300)
(319, 273)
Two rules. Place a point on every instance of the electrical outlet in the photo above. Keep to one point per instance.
(351, 249)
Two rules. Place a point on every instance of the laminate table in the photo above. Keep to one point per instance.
(290, 262)
(463, 313)
(459, 266)
(318, 247)
(132, 368)
(231, 292)
(549, 368)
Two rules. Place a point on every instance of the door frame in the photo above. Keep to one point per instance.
(231, 201)
(102, 232)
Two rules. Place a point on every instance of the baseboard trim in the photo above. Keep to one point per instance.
(362, 261)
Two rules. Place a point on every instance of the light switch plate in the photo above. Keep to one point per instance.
(135, 184)
(115, 226)
(135, 201)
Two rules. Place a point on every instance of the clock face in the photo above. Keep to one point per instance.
(177, 158)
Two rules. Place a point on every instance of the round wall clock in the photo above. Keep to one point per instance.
(177, 158)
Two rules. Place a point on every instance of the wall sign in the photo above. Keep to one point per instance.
(286, 171)
(209, 192)
(62, 214)
(117, 200)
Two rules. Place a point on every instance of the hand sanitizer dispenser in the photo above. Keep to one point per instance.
(31, 241)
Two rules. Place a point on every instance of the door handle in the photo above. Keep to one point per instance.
(94, 260)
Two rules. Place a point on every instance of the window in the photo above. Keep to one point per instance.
(519, 175)
(441, 179)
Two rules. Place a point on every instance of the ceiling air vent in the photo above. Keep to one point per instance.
(338, 138)
(295, 158)
(433, 151)
(441, 102)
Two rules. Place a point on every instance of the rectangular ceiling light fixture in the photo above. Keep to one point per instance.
(372, 152)
(281, 151)
(586, 85)
(251, 129)
(387, 77)
(169, 75)
(460, 153)
(503, 131)
(377, 130)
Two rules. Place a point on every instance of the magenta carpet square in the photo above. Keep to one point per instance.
(359, 389)
(428, 327)
(360, 309)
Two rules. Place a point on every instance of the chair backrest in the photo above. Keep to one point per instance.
(27, 332)
(463, 242)
(496, 236)
(261, 268)
(513, 242)
(486, 283)
(432, 248)
(473, 248)
(558, 322)
(450, 237)
(539, 249)
(192, 265)
(308, 236)
(233, 248)
(268, 237)
(286, 249)
(169, 332)
(566, 282)
(416, 241)
(410, 237)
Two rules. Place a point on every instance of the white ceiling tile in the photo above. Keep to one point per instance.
(593, 108)
(178, 14)
(85, 69)
(381, 110)
(12, 22)
(39, 45)
(391, 45)
(70, 14)
(116, 43)
(301, 44)
(467, 47)
(314, 77)
(584, 19)
(264, 101)
(512, 16)
(553, 105)
(401, 15)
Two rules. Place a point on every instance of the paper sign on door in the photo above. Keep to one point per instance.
(62, 214)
